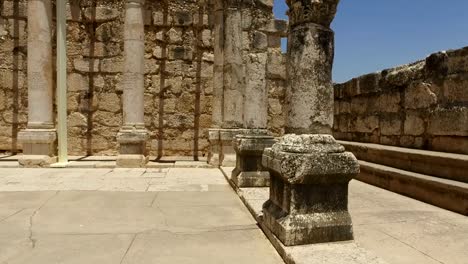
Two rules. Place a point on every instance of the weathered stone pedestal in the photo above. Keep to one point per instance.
(132, 148)
(249, 171)
(309, 190)
(221, 147)
(38, 147)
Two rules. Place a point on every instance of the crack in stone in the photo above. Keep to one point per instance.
(128, 248)
(31, 221)
(154, 200)
(15, 213)
(411, 247)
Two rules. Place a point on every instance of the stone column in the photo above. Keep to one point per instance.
(249, 171)
(133, 134)
(39, 138)
(228, 72)
(309, 170)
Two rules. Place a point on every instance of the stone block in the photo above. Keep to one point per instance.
(112, 65)
(449, 122)
(101, 14)
(454, 88)
(77, 119)
(368, 83)
(390, 126)
(390, 102)
(109, 32)
(180, 53)
(86, 65)
(249, 171)
(308, 190)
(109, 102)
(77, 82)
(419, 95)
(183, 18)
(276, 65)
(414, 124)
(403, 75)
(259, 40)
(366, 124)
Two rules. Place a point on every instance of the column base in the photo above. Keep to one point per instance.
(36, 161)
(132, 152)
(131, 161)
(249, 171)
(309, 190)
(221, 147)
(38, 147)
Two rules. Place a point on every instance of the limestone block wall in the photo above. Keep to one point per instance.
(422, 105)
(13, 82)
(178, 77)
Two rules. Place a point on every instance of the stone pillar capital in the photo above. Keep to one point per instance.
(320, 12)
(136, 2)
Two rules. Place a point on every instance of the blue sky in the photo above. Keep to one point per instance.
(372, 35)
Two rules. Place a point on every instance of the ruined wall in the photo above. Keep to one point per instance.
(178, 77)
(423, 105)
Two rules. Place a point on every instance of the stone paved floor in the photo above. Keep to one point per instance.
(191, 215)
(126, 216)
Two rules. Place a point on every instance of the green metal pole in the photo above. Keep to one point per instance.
(62, 82)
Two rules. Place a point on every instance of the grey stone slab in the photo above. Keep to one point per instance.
(441, 241)
(204, 218)
(388, 247)
(97, 220)
(24, 200)
(13, 245)
(241, 246)
(72, 249)
(17, 223)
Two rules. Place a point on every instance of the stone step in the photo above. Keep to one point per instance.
(440, 164)
(444, 193)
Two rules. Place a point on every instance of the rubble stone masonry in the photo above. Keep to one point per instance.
(422, 105)
(178, 72)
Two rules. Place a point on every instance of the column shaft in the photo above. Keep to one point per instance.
(40, 65)
(234, 80)
(133, 134)
(218, 74)
(39, 139)
(134, 69)
(309, 97)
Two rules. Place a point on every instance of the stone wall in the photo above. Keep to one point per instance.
(178, 78)
(422, 105)
(13, 82)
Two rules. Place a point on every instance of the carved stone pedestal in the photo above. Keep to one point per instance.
(132, 148)
(249, 171)
(38, 147)
(221, 148)
(309, 189)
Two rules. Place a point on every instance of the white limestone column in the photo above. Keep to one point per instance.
(133, 134)
(39, 138)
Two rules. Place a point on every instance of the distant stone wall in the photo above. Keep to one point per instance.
(422, 105)
(178, 78)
